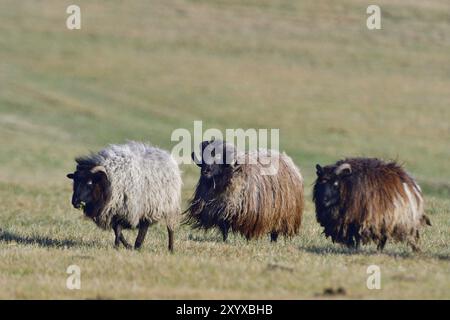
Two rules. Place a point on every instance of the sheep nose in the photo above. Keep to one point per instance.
(75, 203)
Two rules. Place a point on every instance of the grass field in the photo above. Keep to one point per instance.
(140, 69)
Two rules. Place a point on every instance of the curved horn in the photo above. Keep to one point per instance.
(98, 169)
(345, 167)
(319, 170)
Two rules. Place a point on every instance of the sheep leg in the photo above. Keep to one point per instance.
(224, 227)
(119, 237)
(414, 240)
(414, 245)
(170, 234)
(273, 236)
(124, 242)
(117, 231)
(143, 228)
(381, 244)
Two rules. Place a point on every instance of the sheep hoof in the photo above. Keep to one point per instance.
(127, 246)
(273, 236)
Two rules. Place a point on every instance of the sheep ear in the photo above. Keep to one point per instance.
(319, 170)
(196, 161)
(71, 176)
(344, 169)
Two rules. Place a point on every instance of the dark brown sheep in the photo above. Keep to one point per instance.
(359, 200)
(233, 193)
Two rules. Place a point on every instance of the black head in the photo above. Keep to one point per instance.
(217, 159)
(327, 189)
(90, 188)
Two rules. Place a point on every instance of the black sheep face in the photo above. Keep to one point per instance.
(88, 189)
(217, 159)
(327, 187)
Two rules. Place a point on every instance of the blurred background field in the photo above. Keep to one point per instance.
(140, 69)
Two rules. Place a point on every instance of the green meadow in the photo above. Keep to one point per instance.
(138, 70)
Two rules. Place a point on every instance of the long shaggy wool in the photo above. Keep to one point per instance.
(378, 201)
(252, 203)
(145, 184)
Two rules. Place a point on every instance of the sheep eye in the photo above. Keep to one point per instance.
(89, 183)
(336, 183)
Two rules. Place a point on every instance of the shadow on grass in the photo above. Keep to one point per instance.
(204, 238)
(369, 252)
(332, 250)
(233, 239)
(444, 257)
(7, 236)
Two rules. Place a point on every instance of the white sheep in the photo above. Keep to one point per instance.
(128, 186)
